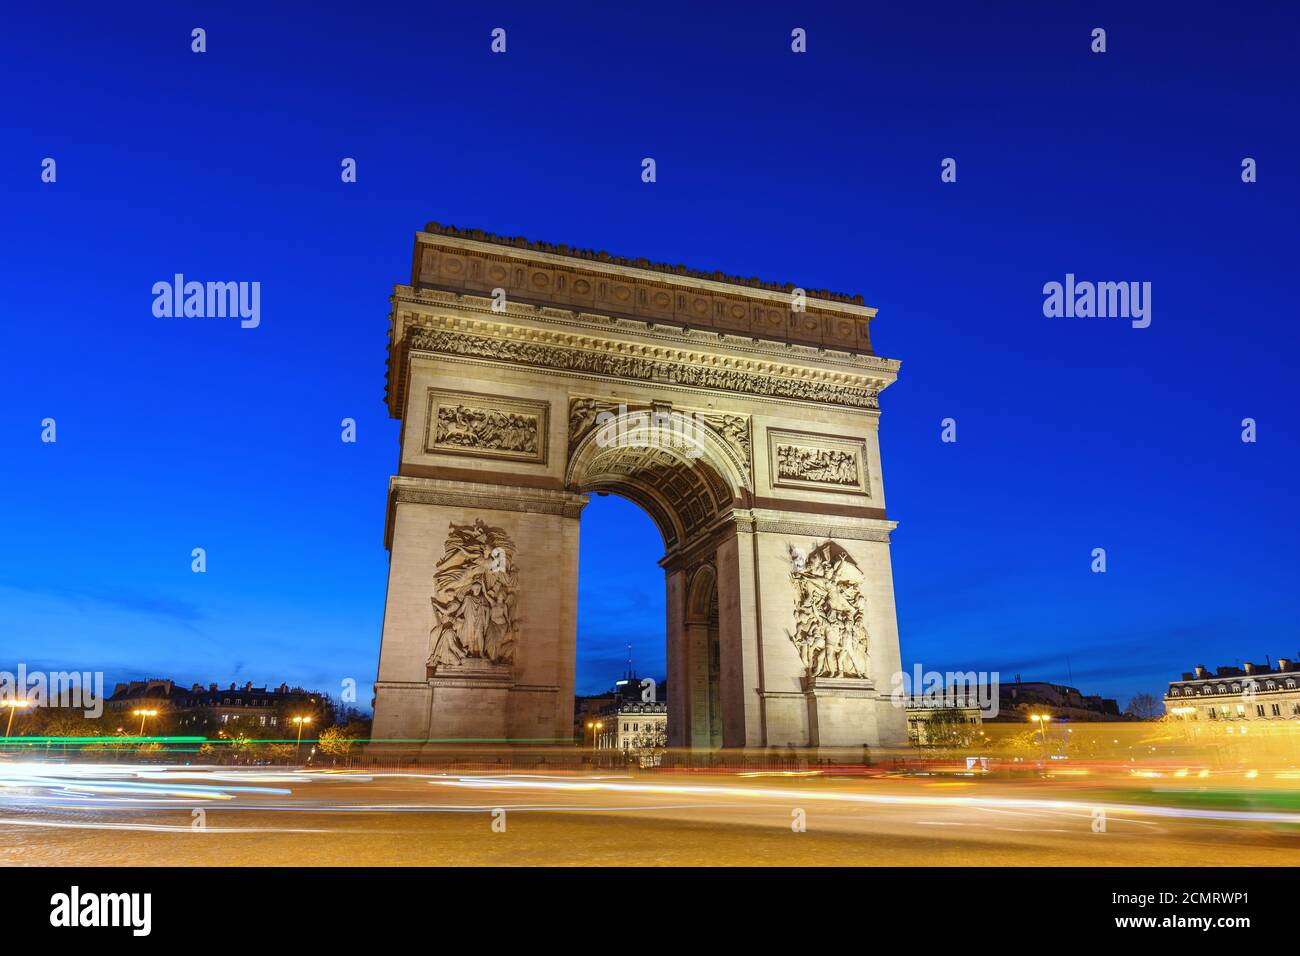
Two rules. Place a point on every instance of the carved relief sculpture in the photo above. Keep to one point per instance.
(817, 462)
(485, 426)
(583, 415)
(475, 590)
(824, 465)
(637, 368)
(489, 428)
(734, 430)
(829, 612)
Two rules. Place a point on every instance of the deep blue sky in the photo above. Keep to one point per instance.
(822, 169)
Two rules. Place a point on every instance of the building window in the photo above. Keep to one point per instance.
(1212, 717)
(1277, 711)
(1259, 710)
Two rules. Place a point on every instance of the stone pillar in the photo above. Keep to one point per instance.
(822, 711)
(739, 643)
(678, 656)
(527, 699)
(697, 691)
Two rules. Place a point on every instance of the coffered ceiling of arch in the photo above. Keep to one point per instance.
(683, 497)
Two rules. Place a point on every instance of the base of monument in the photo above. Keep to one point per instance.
(473, 670)
(841, 712)
(470, 702)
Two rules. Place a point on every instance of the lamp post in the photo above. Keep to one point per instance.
(300, 721)
(143, 715)
(13, 706)
(1041, 720)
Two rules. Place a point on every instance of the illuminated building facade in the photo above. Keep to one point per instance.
(1253, 692)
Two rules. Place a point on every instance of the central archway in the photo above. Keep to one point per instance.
(685, 478)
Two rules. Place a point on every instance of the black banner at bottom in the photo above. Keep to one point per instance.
(342, 905)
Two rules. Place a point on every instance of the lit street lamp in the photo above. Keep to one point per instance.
(300, 721)
(1041, 720)
(143, 715)
(13, 706)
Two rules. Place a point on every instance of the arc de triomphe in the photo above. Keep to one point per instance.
(742, 416)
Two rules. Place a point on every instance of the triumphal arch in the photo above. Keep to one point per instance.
(741, 415)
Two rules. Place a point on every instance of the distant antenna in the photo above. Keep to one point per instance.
(629, 658)
(1069, 670)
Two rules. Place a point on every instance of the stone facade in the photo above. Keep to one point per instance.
(747, 445)
(1265, 693)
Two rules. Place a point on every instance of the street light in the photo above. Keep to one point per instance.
(300, 721)
(13, 706)
(143, 714)
(599, 726)
(1041, 720)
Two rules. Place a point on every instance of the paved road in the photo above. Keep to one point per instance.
(113, 814)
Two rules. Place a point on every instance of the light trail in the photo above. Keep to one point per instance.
(917, 800)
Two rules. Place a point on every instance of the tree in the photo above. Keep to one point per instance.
(647, 745)
(1143, 707)
(946, 727)
(339, 741)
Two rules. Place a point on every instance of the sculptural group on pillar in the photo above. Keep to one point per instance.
(474, 600)
(829, 612)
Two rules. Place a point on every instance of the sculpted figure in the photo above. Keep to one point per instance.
(474, 597)
(830, 630)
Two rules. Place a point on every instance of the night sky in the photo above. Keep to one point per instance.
(820, 168)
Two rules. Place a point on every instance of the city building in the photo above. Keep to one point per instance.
(211, 706)
(635, 725)
(947, 719)
(621, 719)
(1017, 700)
(1253, 692)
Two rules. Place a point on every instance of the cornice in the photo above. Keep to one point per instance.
(626, 360)
(438, 491)
(669, 333)
(855, 529)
